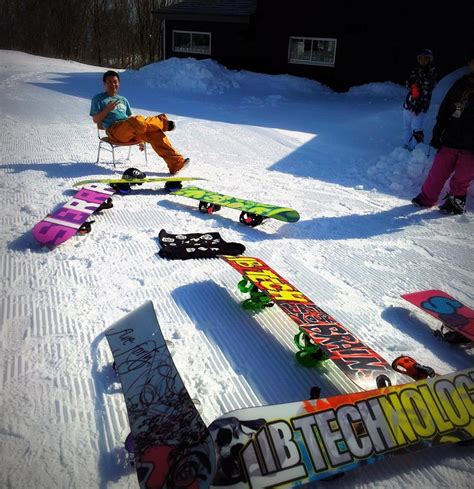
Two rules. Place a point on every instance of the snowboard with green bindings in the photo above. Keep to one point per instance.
(319, 336)
(252, 213)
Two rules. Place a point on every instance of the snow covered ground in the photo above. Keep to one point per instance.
(336, 158)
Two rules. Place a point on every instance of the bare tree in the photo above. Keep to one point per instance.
(119, 33)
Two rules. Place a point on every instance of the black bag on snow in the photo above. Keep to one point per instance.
(195, 245)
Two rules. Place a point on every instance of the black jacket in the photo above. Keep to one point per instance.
(420, 85)
(455, 120)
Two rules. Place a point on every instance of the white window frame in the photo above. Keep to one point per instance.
(190, 50)
(309, 62)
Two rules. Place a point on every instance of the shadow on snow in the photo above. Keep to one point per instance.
(344, 123)
(266, 364)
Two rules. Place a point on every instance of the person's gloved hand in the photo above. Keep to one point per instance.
(171, 125)
(435, 142)
(418, 136)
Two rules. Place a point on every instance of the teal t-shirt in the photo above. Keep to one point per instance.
(121, 112)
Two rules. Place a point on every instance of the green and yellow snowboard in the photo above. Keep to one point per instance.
(132, 181)
(252, 213)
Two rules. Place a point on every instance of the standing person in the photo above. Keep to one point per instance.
(453, 137)
(420, 85)
(114, 113)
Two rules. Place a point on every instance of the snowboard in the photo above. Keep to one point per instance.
(135, 180)
(301, 442)
(359, 362)
(172, 445)
(196, 245)
(453, 314)
(252, 213)
(68, 220)
(276, 445)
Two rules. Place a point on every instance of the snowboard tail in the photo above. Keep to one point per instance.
(358, 361)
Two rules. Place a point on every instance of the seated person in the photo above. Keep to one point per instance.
(114, 113)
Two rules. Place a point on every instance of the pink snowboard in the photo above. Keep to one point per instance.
(58, 227)
(452, 313)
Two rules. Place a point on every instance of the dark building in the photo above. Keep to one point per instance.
(339, 43)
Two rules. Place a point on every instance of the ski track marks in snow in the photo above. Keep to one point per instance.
(354, 251)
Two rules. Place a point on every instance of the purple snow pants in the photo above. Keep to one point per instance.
(447, 161)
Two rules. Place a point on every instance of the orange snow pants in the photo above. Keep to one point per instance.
(150, 130)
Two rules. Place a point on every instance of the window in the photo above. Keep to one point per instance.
(192, 42)
(312, 51)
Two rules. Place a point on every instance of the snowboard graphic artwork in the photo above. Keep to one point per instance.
(171, 442)
(285, 445)
(195, 245)
(296, 443)
(453, 314)
(67, 221)
(358, 361)
(252, 213)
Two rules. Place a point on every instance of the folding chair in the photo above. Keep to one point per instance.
(108, 144)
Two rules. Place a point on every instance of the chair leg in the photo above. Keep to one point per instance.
(98, 154)
(129, 153)
(113, 155)
(146, 156)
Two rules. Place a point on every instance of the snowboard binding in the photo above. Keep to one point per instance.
(383, 380)
(451, 336)
(257, 300)
(128, 174)
(172, 186)
(133, 174)
(250, 219)
(315, 392)
(208, 208)
(308, 354)
(108, 204)
(85, 228)
(130, 447)
(121, 188)
(409, 366)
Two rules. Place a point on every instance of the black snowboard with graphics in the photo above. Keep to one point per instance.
(196, 245)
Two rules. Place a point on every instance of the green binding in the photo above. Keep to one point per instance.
(257, 301)
(308, 354)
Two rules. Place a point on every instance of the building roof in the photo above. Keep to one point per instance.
(209, 10)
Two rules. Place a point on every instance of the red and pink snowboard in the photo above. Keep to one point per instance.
(452, 313)
(65, 222)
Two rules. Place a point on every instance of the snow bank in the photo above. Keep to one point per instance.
(402, 170)
(208, 77)
(386, 90)
(205, 76)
